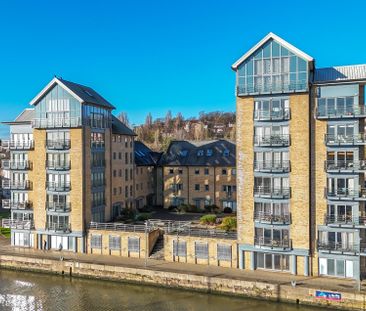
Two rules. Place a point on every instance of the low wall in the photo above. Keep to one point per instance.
(281, 293)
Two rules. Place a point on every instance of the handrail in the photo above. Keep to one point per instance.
(270, 115)
(272, 140)
(283, 165)
(270, 242)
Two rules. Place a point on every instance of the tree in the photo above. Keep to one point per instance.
(168, 120)
(148, 120)
(122, 116)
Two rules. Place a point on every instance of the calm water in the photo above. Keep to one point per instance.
(31, 291)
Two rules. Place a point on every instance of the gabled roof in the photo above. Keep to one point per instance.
(144, 156)
(206, 153)
(340, 73)
(279, 40)
(82, 93)
(120, 128)
(25, 117)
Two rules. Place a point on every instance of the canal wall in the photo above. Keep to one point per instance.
(211, 284)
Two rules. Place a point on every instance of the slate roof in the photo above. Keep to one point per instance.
(120, 128)
(25, 117)
(87, 94)
(340, 73)
(144, 156)
(208, 153)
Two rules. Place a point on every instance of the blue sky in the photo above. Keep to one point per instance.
(152, 56)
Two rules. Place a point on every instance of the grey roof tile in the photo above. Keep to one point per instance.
(340, 73)
(120, 128)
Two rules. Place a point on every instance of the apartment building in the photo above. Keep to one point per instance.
(199, 173)
(62, 167)
(300, 159)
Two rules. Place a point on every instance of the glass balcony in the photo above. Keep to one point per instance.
(18, 144)
(345, 166)
(345, 194)
(273, 243)
(98, 183)
(272, 193)
(18, 224)
(58, 186)
(58, 165)
(272, 115)
(97, 144)
(274, 140)
(16, 185)
(61, 122)
(270, 218)
(331, 246)
(58, 207)
(272, 87)
(60, 144)
(341, 112)
(16, 165)
(347, 220)
(97, 164)
(58, 227)
(272, 166)
(336, 140)
(9, 204)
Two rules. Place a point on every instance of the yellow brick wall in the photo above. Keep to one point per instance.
(144, 182)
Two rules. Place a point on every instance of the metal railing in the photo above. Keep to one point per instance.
(118, 227)
(58, 186)
(349, 193)
(273, 243)
(17, 224)
(18, 144)
(271, 192)
(347, 112)
(59, 227)
(97, 164)
(58, 144)
(272, 218)
(58, 165)
(272, 115)
(97, 144)
(344, 219)
(53, 122)
(345, 165)
(16, 185)
(272, 140)
(273, 87)
(8, 203)
(208, 233)
(58, 207)
(98, 183)
(357, 139)
(338, 246)
(272, 166)
(16, 165)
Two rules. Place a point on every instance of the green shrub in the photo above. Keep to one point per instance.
(211, 208)
(228, 223)
(143, 216)
(208, 219)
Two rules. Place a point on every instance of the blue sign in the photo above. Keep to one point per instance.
(328, 295)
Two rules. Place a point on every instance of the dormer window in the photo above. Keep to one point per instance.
(183, 153)
(209, 152)
(226, 153)
(200, 153)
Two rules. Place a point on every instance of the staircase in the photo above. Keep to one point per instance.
(158, 250)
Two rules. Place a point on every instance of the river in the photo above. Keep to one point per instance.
(31, 291)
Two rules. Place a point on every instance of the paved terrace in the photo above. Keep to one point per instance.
(331, 284)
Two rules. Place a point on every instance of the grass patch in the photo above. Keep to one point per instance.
(5, 232)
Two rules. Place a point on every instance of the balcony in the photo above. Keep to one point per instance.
(58, 207)
(273, 87)
(97, 164)
(274, 140)
(18, 144)
(16, 165)
(58, 165)
(272, 193)
(18, 224)
(272, 115)
(345, 194)
(98, 183)
(97, 144)
(58, 227)
(331, 246)
(344, 220)
(272, 166)
(54, 122)
(343, 113)
(58, 144)
(9, 204)
(58, 186)
(339, 166)
(16, 185)
(269, 218)
(273, 243)
(344, 140)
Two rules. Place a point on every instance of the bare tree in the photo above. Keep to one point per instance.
(122, 116)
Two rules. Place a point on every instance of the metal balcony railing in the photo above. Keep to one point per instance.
(58, 144)
(357, 139)
(274, 140)
(330, 219)
(58, 207)
(58, 165)
(118, 227)
(58, 186)
(18, 144)
(17, 224)
(272, 166)
(272, 87)
(58, 227)
(272, 115)
(97, 144)
(342, 113)
(16, 185)
(97, 164)
(272, 218)
(16, 165)
(338, 246)
(9, 204)
(273, 243)
(98, 183)
(345, 165)
(271, 192)
(346, 193)
(56, 122)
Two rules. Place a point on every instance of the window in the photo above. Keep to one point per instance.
(272, 261)
(207, 187)
(180, 171)
(197, 187)
(114, 173)
(114, 242)
(171, 171)
(200, 153)
(120, 173)
(207, 171)
(181, 250)
(96, 241)
(133, 245)
(114, 191)
(226, 153)
(224, 252)
(233, 171)
(201, 250)
(126, 158)
(196, 171)
(114, 155)
(119, 155)
(224, 171)
(209, 152)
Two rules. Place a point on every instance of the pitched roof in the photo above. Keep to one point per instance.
(340, 73)
(25, 117)
(279, 40)
(120, 128)
(208, 153)
(144, 156)
(81, 92)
